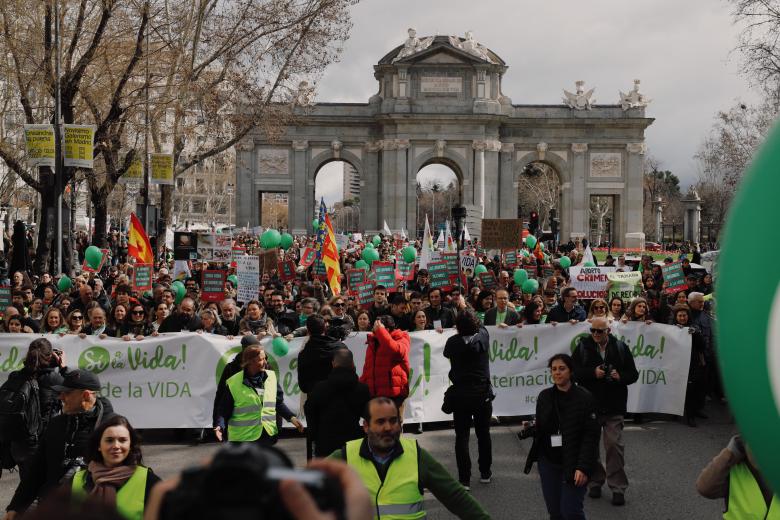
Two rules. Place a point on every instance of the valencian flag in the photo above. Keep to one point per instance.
(327, 251)
(138, 245)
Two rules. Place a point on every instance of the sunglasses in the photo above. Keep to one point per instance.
(597, 331)
(338, 305)
(138, 313)
(77, 317)
(599, 307)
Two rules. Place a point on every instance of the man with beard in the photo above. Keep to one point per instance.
(230, 319)
(396, 470)
(285, 320)
(183, 320)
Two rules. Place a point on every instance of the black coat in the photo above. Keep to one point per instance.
(470, 367)
(285, 322)
(443, 314)
(231, 369)
(231, 326)
(610, 395)
(573, 414)
(177, 323)
(512, 317)
(65, 437)
(314, 361)
(333, 410)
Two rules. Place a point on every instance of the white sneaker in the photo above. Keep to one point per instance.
(485, 480)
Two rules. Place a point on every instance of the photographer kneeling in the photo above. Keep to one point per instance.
(566, 440)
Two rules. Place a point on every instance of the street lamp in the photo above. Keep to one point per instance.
(608, 221)
(230, 190)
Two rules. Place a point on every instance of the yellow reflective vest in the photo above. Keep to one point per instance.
(746, 502)
(398, 497)
(252, 412)
(129, 498)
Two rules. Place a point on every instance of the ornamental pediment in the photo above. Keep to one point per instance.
(443, 57)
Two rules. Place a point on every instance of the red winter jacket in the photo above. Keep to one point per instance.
(386, 368)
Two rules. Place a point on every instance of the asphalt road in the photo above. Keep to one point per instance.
(663, 459)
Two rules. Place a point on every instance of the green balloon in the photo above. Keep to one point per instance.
(64, 283)
(369, 246)
(409, 253)
(280, 346)
(541, 246)
(315, 225)
(93, 256)
(565, 262)
(370, 255)
(520, 276)
(233, 279)
(361, 264)
(179, 291)
(589, 264)
(530, 286)
(530, 241)
(270, 239)
(480, 269)
(524, 252)
(376, 240)
(286, 241)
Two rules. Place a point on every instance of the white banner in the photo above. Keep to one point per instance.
(590, 282)
(169, 381)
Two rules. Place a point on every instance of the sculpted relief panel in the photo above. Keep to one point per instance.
(605, 164)
(273, 161)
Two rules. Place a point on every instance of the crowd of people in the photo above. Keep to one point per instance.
(79, 441)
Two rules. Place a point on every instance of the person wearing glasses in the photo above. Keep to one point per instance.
(135, 325)
(598, 309)
(567, 309)
(604, 365)
(75, 322)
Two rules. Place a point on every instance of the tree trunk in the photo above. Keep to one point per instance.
(166, 208)
(47, 230)
(100, 205)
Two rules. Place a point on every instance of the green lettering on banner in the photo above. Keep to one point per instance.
(438, 273)
(142, 277)
(159, 359)
(452, 263)
(13, 362)
(384, 274)
(5, 298)
(355, 277)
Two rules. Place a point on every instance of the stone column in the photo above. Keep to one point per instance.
(633, 217)
(659, 220)
(298, 206)
(507, 197)
(479, 189)
(401, 185)
(692, 217)
(246, 194)
(370, 201)
(578, 225)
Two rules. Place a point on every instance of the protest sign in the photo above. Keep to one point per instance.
(548, 270)
(501, 233)
(308, 255)
(212, 287)
(342, 241)
(590, 282)
(488, 280)
(169, 381)
(438, 274)
(364, 292)
(674, 277)
(319, 270)
(185, 245)
(452, 262)
(213, 247)
(403, 270)
(161, 168)
(510, 258)
(248, 278)
(355, 277)
(626, 286)
(384, 274)
(142, 277)
(39, 141)
(5, 298)
(286, 270)
(78, 145)
(467, 264)
(269, 260)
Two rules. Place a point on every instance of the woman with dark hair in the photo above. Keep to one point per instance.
(637, 310)
(484, 303)
(695, 394)
(256, 321)
(41, 369)
(532, 314)
(14, 325)
(115, 476)
(363, 321)
(64, 304)
(468, 352)
(616, 308)
(36, 311)
(566, 441)
(118, 317)
(652, 293)
(135, 325)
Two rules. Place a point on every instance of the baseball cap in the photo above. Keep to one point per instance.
(249, 340)
(78, 380)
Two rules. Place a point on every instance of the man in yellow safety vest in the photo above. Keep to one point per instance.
(396, 470)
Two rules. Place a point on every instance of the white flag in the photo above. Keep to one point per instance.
(386, 229)
(440, 241)
(403, 234)
(587, 256)
(466, 236)
(427, 246)
(450, 244)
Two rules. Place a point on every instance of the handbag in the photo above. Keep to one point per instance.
(448, 404)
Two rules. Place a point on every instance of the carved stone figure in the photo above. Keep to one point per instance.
(413, 45)
(305, 95)
(471, 46)
(441, 144)
(581, 100)
(634, 99)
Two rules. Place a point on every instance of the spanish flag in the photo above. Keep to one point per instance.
(328, 251)
(138, 245)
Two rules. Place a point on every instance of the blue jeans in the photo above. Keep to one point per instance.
(564, 500)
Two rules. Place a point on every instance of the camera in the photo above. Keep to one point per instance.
(242, 482)
(71, 466)
(607, 368)
(527, 431)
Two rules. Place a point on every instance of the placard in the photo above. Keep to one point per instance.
(214, 247)
(5, 298)
(548, 270)
(248, 278)
(212, 285)
(626, 286)
(530, 270)
(384, 274)
(308, 255)
(286, 270)
(501, 233)
(467, 264)
(674, 278)
(142, 277)
(365, 293)
(590, 282)
(452, 262)
(438, 274)
(269, 260)
(134, 172)
(355, 277)
(319, 270)
(403, 270)
(488, 279)
(510, 258)
(185, 245)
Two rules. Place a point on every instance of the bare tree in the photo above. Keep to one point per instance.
(539, 188)
(600, 207)
(758, 45)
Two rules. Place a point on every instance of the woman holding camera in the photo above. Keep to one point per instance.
(115, 476)
(566, 440)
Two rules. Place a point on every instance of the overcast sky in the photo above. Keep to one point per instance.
(680, 50)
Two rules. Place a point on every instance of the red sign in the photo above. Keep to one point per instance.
(212, 285)
(87, 269)
(307, 257)
(286, 270)
(142, 277)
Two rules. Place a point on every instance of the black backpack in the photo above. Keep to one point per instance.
(20, 408)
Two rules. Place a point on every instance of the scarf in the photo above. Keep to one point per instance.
(108, 480)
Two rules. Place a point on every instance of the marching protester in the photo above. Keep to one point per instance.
(696, 388)
(566, 441)
(386, 367)
(605, 366)
(115, 475)
(567, 309)
(183, 319)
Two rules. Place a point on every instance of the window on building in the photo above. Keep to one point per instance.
(198, 206)
(181, 182)
(200, 185)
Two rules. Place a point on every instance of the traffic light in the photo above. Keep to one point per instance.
(533, 222)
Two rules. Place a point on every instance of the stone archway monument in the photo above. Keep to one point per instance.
(440, 99)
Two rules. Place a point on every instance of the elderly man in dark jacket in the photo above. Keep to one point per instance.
(605, 366)
(62, 448)
(334, 406)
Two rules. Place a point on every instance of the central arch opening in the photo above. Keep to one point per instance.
(539, 189)
(438, 190)
(338, 183)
